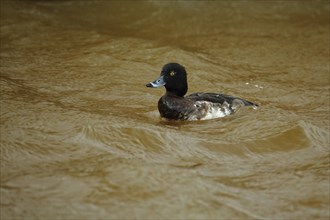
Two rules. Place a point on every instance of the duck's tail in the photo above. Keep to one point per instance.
(243, 102)
(248, 103)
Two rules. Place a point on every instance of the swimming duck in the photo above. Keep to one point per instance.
(196, 106)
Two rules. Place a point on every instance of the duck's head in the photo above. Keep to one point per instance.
(174, 77)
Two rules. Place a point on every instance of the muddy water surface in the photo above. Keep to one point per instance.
(81, 136)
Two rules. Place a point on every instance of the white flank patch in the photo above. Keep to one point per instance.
(215, 110)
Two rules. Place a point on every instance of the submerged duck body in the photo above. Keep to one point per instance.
(196, 106)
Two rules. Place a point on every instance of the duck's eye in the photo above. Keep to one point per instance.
(172, 73)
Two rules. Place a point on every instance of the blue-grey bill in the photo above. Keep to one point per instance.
(157, 83)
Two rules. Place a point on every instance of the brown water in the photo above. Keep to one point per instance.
(81, 136)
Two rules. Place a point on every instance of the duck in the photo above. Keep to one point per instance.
(174, 105)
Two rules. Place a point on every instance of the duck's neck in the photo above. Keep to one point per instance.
(181, 91)
(174, 93)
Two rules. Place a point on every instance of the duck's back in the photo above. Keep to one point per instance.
(220, 98)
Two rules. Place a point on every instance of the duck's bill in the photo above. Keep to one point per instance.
(157, 83)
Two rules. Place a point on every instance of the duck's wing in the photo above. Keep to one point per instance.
(221, 99)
